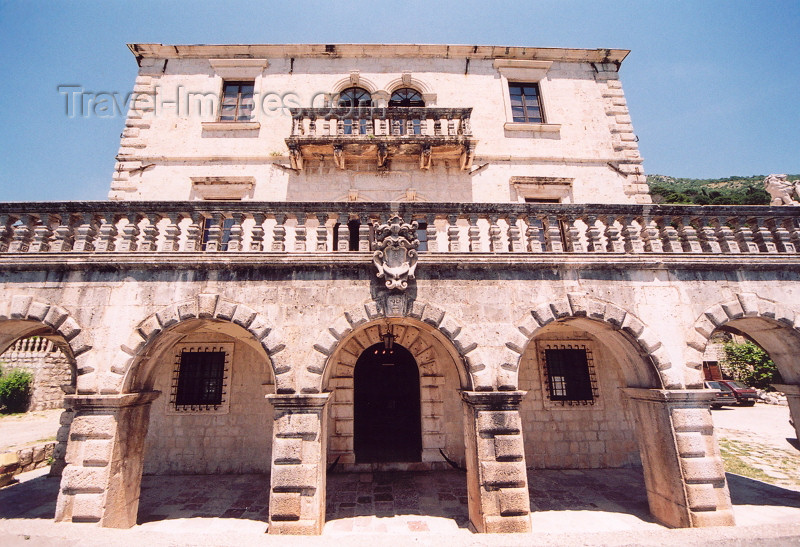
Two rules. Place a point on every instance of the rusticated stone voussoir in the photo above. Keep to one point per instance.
(584, 306)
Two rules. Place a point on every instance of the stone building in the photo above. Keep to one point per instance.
(388, 257)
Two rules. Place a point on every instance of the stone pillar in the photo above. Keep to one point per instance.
(497, 482)
(103, 473)
(297, 497)
(683, 470)
(792, 393)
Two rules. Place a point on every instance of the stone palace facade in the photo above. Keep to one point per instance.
(390, 257)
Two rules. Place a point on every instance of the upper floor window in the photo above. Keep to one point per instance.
(525, 104)
(237, 102)
(406, 96)
(355, 97)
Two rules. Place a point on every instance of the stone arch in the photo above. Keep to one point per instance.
(24, 316)
(773, 326)
(412, 82)
(580, 306)
(205, 306)
(443, 325)
(362, 82)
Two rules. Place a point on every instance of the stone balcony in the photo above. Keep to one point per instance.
(213, 234)
(378, 134)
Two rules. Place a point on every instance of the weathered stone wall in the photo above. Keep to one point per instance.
(168, 142)
(580, 436)
(238, 440)
(301, 307)
(50, 367)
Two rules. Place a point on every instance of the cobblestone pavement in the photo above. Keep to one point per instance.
(604, 506)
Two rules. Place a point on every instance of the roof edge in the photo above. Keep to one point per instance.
(226, 51)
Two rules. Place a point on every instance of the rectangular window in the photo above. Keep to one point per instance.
(237, 102)
(525, 104)
(201, 377)
(569, 373)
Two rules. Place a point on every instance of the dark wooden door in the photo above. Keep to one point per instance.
(386, 406)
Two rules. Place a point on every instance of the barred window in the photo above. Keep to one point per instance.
(200, 378)
(569, 373)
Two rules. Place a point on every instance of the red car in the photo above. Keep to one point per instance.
(745, 396)
(725, 395)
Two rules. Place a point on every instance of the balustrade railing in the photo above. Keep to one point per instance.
(305, 227)
(390, 122)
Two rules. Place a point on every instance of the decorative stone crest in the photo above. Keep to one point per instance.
(780, 189)
(396, 254)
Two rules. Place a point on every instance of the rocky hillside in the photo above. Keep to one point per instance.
(725, 191)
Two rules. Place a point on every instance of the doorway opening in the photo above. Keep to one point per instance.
(386, 406)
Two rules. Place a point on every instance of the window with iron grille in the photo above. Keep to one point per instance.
(525, 104)
(200, 378)
(569, 373)
(237, 102)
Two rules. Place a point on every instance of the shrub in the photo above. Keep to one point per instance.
(15, 390)
(751, 365)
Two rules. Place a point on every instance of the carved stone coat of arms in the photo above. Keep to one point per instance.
(396, 252)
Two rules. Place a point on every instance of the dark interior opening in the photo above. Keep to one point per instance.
(387, 406)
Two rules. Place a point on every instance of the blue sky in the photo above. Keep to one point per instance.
(713, 86)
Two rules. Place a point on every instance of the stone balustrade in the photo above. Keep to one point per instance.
(338, 121)
(332, 228)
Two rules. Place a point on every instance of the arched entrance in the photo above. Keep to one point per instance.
(387, 405)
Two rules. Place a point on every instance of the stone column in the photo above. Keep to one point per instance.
(497, 482)
(683, 470)
(105, 449)
(792, 393)
(297, 497)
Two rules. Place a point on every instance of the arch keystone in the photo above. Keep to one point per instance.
(733, 309)
(749, 303)
(206, 304)
(37, 311)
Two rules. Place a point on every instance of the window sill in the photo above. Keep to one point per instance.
(537, 127)
(231, 126)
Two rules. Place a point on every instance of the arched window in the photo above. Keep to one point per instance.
(354, 98)
(408, 97)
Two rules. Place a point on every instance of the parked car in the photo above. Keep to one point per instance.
(725, 395)
(745, 396)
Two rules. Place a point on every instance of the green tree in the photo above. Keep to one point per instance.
(751, 365)
(15, 390)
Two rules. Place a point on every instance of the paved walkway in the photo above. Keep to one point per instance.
(591, 507)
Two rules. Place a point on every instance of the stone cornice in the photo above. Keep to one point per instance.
(118, 261)
(437, 51)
